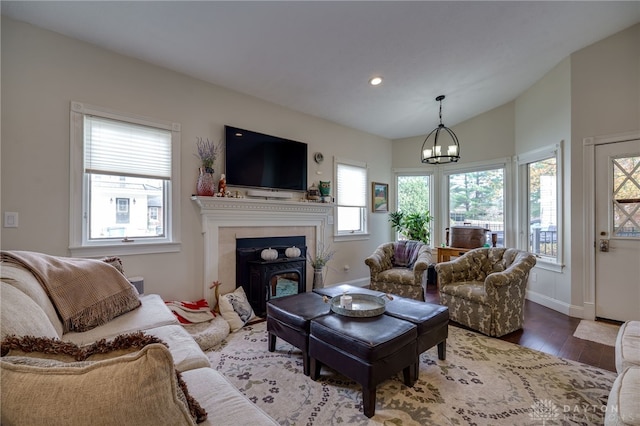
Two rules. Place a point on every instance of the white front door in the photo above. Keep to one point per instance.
(617, 222)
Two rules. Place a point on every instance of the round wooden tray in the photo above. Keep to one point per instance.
(362, 306)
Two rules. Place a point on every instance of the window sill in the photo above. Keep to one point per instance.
(351, 237)
(548, 265)
(124, 249)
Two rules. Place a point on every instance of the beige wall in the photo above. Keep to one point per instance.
(485, 137)
(43, 71)
(543, 118)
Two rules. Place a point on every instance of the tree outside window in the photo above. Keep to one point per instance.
(413, 193)
(477, 199)
(543, 207)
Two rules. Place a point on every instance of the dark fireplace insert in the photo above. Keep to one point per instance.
(263, 280)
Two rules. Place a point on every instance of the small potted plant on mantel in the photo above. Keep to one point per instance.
(318, 262)
(207, 153)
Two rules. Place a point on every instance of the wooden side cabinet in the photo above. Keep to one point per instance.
(445, 253)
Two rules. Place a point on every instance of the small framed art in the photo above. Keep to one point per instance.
(379, 197)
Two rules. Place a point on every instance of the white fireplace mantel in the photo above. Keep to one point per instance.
(221, 212)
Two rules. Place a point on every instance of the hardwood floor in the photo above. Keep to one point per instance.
(548, 331)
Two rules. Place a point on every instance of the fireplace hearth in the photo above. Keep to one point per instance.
(263, 280)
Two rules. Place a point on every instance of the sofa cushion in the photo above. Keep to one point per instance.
(403, 276)
(15, 308)
(623, 405)
(69, 385)
(152, 313)
(217, 395)
(628, 345)
(185, 352)
(26, 282)
(471, 290)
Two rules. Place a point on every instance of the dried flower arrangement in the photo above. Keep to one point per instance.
(322, 257)
(207, 153)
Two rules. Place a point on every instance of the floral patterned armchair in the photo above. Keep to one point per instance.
(400, 268)
(484, 289)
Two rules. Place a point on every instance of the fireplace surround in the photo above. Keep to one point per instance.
(224, 220)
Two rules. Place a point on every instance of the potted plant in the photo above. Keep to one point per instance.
(414, 226)
(207, 153)
(318, 262)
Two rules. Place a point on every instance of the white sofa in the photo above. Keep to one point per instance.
(623, 405)
(26, 310)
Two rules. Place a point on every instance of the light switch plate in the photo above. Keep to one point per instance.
(10, 219)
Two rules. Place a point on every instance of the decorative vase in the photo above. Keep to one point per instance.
(206, 184)
(318, 280)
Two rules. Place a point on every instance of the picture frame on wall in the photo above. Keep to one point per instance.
(379, 197)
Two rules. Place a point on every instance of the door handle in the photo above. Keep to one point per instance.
(604, 245)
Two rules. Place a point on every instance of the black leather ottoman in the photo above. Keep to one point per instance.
(432, 320)
(289, 319)
(366, 350)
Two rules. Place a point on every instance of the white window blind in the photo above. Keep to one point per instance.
(117, 148)
(352, 185)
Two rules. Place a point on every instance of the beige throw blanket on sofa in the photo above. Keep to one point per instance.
(85, 292)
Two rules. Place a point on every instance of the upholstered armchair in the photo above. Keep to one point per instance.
(400, 268)
(484, 289)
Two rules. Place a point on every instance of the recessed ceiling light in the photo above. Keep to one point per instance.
(375, 81)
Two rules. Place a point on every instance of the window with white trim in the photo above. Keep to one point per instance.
(477, 198)
(123, 183)
(351, 197)
(541, 194)
(414, 191)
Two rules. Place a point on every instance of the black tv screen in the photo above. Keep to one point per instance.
(261, 161)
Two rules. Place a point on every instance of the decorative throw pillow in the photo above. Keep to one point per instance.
(235, 308)
(116, 262)
(133, 372)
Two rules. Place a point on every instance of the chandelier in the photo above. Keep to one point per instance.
(444, 146)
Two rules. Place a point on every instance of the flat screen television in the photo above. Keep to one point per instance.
(256, 160)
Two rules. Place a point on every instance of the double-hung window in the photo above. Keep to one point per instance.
(351, 198)
(123, 183)
(540, 203)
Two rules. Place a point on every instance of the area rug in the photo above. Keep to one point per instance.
(483, 381)
(597, 331)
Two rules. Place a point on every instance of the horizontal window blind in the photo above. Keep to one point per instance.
(352, 185)
(117, 148)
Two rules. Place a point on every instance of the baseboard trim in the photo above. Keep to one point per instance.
(550, 303)
(359, 282)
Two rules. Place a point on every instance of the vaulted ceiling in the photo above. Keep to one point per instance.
(317, 56)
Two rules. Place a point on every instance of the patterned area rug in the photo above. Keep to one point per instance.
(597, 331)
(483, 381)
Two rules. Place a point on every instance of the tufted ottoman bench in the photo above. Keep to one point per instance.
(289, 319)
(366, 350)
(431, 320)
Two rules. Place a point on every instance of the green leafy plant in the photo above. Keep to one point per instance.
(414, 226)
